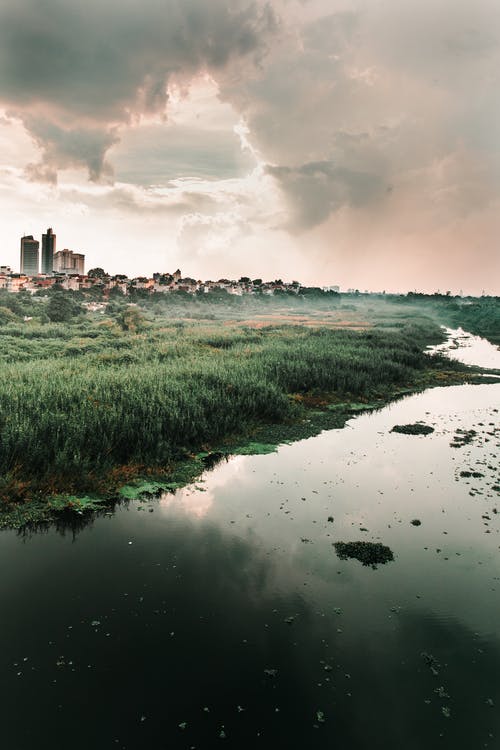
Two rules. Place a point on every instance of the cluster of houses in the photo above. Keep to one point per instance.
(160, 283)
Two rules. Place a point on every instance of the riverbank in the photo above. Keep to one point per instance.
(314, 414)
(91, 413)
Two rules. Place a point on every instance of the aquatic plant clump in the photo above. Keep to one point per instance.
(368, 553)
(413, 429)
(462, 437)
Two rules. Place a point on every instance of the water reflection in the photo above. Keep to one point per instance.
(192, 625)
(198, 499)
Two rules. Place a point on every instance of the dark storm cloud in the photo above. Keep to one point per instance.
(82, 66)
(68, 148)
(317, 189)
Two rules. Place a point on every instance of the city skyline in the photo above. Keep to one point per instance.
(50, 261)
(346, 144)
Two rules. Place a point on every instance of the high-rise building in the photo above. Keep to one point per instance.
(48, 250)
(66, 261)
(29, 255)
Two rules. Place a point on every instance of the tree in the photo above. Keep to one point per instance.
(7, 316)
(97, 273)
(62, 308)
(131, 319)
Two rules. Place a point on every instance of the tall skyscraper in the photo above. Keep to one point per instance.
(29, 255)
(48, 250)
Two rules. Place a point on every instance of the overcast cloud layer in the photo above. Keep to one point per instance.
(336, 142)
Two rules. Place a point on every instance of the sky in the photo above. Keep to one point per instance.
(329, 141)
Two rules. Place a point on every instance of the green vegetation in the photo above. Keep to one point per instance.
(481, 317)
(478, 315)
(413, 429)
(92, 404)
(367, 553)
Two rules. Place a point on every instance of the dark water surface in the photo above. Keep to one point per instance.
(221, 616)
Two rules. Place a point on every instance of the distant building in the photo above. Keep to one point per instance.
(68, 262)
(48, 251)
(16, 282)
(29, 255)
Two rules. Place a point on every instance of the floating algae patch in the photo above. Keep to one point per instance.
(255, 449)
(462, 437)
(413, 429)
(368, 553)
(84, 504)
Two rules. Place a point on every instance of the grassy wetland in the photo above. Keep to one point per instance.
(203, 587)
(99, 401)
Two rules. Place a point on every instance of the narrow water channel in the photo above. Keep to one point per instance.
(223, 615)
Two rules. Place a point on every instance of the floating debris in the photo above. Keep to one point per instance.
(462, 437)
(413, 429)
(367, 553)
(431, 662)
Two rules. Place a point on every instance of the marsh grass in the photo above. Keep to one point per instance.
(89, 400)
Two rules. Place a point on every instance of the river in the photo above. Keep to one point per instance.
(222, 615)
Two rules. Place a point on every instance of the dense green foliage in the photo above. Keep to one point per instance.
(79, 400)
(478, 315)
(481, 317)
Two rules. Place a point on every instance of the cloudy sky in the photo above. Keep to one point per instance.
(331, 141)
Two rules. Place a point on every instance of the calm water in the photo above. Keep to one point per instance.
(222, 617)
(469, 349)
